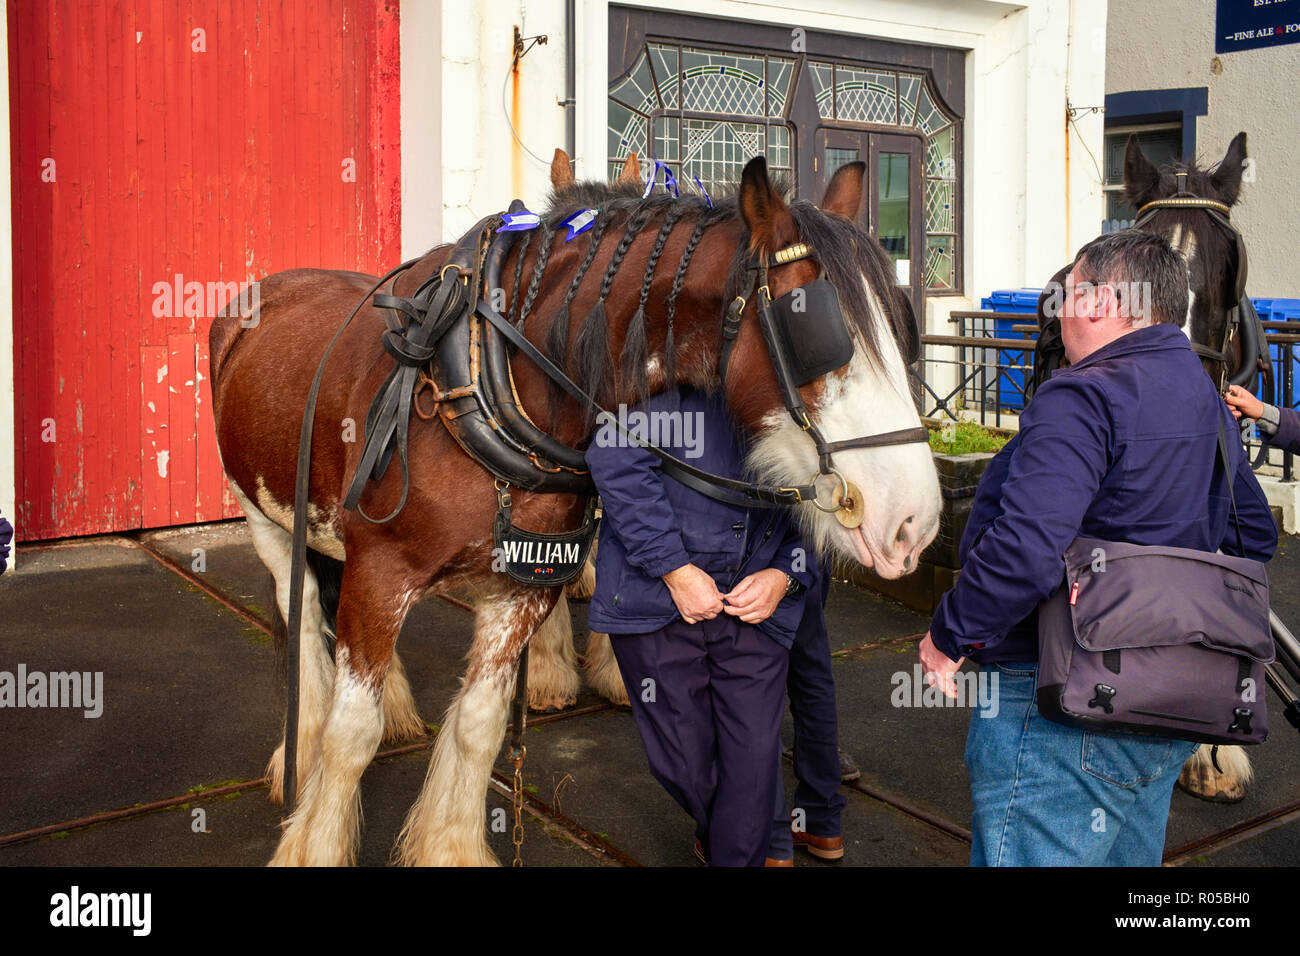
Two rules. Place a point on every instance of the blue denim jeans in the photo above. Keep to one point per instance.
(1050, 795)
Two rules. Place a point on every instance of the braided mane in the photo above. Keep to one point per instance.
(845, 252)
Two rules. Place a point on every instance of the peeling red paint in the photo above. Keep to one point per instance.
(220, 166)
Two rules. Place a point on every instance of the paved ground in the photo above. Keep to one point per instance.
(190, 717)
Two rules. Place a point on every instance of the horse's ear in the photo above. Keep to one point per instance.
(1227, 178)
(631, 169)
(561, 170)
(765, 212)
(1140, 176)
(844, 194)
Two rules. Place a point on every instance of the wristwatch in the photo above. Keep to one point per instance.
(792, 586)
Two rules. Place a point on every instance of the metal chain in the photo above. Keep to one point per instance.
(517, 836)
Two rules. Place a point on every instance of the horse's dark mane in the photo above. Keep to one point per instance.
(845, 253)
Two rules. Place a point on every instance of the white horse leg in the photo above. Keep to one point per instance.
(603, 675)
(323, 830)
(375, 595)
(315, 668)
(446, 825)
(553, 663)
(402, 721)
(1200, 778)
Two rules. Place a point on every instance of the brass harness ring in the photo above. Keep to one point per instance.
(844, 491)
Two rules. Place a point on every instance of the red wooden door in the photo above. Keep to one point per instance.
(157, 145)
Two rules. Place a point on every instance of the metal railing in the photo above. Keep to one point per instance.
(989, 371)
(1283, 339)
(990, 367)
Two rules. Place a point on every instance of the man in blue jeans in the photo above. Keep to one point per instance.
(1121, 445)
(701, 600)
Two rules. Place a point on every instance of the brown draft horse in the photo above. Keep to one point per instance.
(1211, 255)
(442, 542)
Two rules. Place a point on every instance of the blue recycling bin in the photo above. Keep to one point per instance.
(1015, 304)
(1280, 310)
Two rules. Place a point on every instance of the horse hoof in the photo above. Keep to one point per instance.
(552, 705)
(1205, 783)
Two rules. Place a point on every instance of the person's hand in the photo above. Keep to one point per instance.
(939, 668)
(756, 596)
(693, 591)
(1243, 403)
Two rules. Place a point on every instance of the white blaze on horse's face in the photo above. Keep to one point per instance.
(898, 482)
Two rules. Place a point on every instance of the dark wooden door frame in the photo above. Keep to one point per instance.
(944, 69)
(870, 143)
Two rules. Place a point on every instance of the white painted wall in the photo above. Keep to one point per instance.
(8, 473)
(1026, 207)
(421, 91)
(483, 167)
(1251, 90)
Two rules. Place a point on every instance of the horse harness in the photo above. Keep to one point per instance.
(1241, 317)
(447, 336)
(463, 340)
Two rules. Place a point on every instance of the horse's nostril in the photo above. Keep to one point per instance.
(902, 530)
(907, 563)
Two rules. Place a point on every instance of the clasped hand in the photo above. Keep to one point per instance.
(697, 597)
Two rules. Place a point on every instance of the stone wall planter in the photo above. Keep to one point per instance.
(921, 590)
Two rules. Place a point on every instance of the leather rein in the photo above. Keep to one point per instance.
(718, 487)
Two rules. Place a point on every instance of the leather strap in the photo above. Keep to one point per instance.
(298, 559)
(727, 490)
(1232, 500)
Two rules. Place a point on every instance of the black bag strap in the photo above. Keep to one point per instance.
(1232, 499)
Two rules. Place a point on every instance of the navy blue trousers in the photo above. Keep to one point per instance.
(811, 687)
(707, 699)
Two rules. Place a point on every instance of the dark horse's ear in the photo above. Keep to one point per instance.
(844, 194)
(765, 212)
(1227, 178)
(561, 170)
(1141, 178)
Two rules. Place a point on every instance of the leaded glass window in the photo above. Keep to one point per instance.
(866, 96)
(897, 98)
(704, 113)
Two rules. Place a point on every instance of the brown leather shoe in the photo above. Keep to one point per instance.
(771, 862)
(848, 768)
(699, 853)
(824, 848)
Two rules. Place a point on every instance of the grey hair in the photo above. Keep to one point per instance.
(1148, 274)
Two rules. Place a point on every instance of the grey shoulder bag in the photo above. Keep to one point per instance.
(1164, 642)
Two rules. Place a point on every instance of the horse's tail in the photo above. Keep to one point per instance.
(329, 581)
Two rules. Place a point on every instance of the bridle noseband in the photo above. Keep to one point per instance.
(826, 325)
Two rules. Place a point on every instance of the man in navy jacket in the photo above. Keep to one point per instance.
(702, 601)
(1119, 446)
